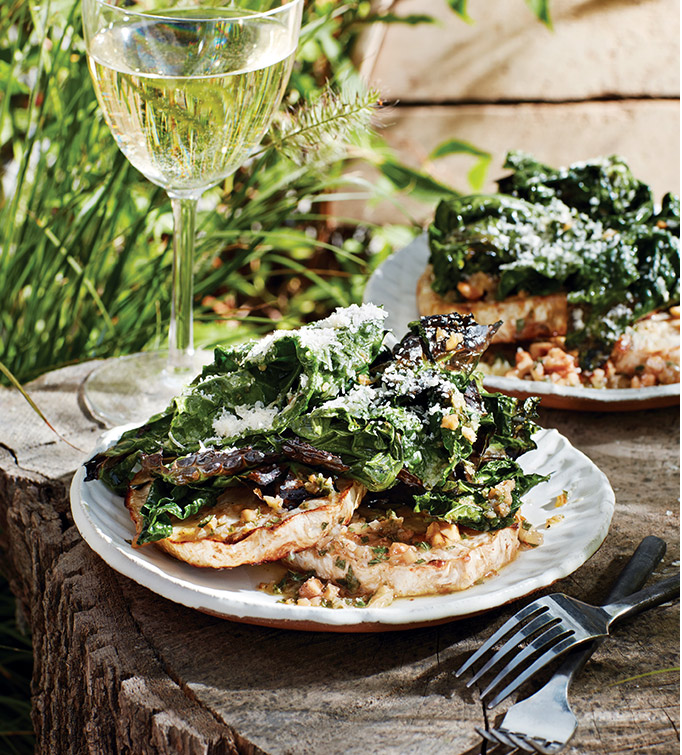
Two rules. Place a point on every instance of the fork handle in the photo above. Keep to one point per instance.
(661, 592)
(633, 576)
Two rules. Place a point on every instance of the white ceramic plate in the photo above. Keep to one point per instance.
(103, 521)
(394, 284)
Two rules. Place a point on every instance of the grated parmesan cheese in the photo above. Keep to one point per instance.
(352, 317)
(322, 334)
(356, 402)
(244, 419)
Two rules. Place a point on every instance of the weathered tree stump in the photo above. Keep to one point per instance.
(120, 670)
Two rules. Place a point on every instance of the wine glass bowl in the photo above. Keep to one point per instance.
(188, 91)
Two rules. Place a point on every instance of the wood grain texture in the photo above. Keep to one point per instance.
(597, 50)
(121, 670)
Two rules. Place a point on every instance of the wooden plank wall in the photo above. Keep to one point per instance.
(606, 80)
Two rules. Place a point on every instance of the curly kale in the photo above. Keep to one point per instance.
(590, 230)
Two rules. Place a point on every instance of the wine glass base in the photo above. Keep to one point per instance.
(133, 388)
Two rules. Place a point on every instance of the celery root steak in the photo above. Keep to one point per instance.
(241, 528)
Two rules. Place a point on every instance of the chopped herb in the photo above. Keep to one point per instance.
(324, 525)
(424, 546)
(526, 525)
(420, 561)
(380, 555)
(350, 582)
(340, 563)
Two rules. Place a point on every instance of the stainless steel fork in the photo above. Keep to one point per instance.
(553, 625)
(544, 722)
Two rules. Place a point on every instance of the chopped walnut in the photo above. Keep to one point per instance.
(554, 520)
(381, 598)
(454, 341)
(311, 588)
(442, 534)
(561, 499)
(450, 422)
(402, 554)
(530, 536)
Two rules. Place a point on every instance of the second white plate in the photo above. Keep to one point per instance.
(394, 284)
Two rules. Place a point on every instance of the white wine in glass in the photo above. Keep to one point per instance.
(188, 91)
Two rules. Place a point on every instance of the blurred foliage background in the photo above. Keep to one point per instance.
(85, 256)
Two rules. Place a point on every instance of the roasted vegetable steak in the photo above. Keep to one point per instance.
(274, 427)
(583, 245)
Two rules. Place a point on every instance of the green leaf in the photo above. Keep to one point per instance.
(414, 181)
(478, 173)
(164, 501)
(541, 9)
(457, 147)
(392, 18)
(460, 8)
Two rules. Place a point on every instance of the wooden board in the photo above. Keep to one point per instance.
(597, 50)
(120, 670)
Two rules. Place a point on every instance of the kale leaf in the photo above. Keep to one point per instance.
(164, 501)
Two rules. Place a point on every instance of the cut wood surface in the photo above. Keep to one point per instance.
(121, 670)
(645, 133)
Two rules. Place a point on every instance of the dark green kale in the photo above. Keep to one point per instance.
(330, 400)
(589, 229)
(602, 188)
(164, 501)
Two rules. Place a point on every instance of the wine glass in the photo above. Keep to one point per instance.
(188, 89)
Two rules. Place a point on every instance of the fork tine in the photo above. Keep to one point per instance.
(549, 655)
(501, 739)
(549, 748)
(531, 744)
(520, 742)
(529, 610)
(495, 742)
(525, 631)
(508, 739)
(544, 642)
(488, 736)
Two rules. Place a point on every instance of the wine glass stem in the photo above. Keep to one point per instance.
(180, 337)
